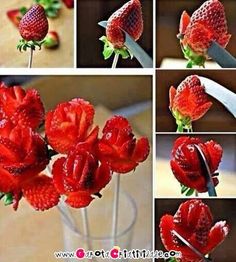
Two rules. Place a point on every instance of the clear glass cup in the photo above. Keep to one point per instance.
(99, 214)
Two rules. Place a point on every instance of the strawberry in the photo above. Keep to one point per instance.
(40, 193)
(193, 221)
(34, 24)
(79, 176)
(70, 123)
(188, 102)
(15, 15)
(119, 148)
(52, 40)
(129, 19)
(186, 164)
(69, 3)
(208, 23)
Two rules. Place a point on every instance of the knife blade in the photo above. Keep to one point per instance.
(143, 58)
(220, 93)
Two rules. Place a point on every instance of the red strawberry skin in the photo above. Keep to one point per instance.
(186, 165)
(189, 100)
(208, 23)
(119, 147)
(193, 221)
(34, 24)
(127, 18)
(69, 3)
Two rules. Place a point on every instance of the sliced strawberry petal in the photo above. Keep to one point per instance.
(217, 234)
(184, 22)
(166, 226)
(172, 94)
(58, 175)
(41, 193)
(7, 182)
(102, 177)
(141, 150)
(78, 199)
(123, 166)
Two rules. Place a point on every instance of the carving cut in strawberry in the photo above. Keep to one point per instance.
(189, 102)
(208, 23)
(119, 148)
(129, 19)
(186, 164)
(15, 15)
(194, 222)
(52, 40)
(69, 124)
(79, 176)
(21, 107)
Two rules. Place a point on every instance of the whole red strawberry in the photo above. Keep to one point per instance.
(207, 24)
(186, 164)
(52, 40)
(188, 102)
(194, 222)
(127, 18)
(34, 24)
(119, 148)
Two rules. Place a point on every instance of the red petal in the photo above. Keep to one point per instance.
(7, 183)
(184, 22)
(57, 171)
(79, 199)
(141, 150)
(215, 154)
(166, 226)
(217, 234)
(102, 177)
(118, 122)
(41, 193)
(172, 93)
(123, 166)
(200, 111)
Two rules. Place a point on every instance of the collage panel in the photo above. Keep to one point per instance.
(180, 170)
(203, 99)
(97, 46)
(195, 34)
(37, 33)
(207, 224)
(61, 156)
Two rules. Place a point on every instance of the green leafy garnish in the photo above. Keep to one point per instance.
(51, 7)
(23, 45)
(186, 190)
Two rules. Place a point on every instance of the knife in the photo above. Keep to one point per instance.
(207, 173)
(221, 93)
(221, 56)
(143, 58)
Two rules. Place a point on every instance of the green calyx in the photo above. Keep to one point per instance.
(23, 45)
(183, 122)
(51, 7)
(186, 190)
(23, 10)
(192, 57)
(109, 49)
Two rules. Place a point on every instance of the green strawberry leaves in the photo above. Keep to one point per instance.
(51, 7)
(109, 49)
(183, 122)
(23, 45)
(192, 57)
(7, 198)
(186, 190)
(23, 10)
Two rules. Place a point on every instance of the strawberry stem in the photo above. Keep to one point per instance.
(31, 58)
(180, 128)
(115, 60)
